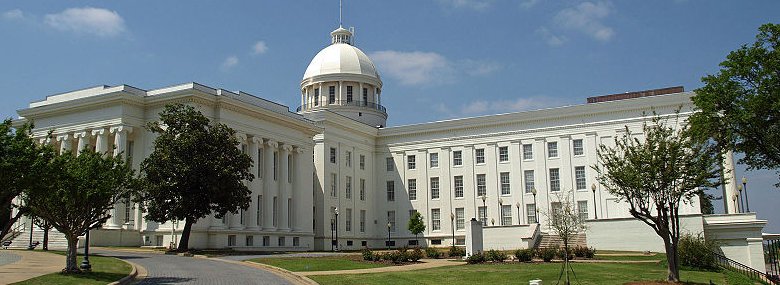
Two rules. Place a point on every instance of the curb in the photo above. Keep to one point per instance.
(284, 273)
(130, 277)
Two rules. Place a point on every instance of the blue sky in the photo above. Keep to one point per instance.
(439, 59)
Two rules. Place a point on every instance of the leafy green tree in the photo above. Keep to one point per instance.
(21, 163)
(655, 175)
(46, 227)
(739, 106)
(416, 224)
(196, 169)
(80, 190)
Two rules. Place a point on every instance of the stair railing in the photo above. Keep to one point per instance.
(751, 273)
(15, 232)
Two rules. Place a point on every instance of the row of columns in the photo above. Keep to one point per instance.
(308, 97)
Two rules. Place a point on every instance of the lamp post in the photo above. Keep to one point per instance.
(32, 225)
(484, 206)
(519, 219)
(744, 185)
(452, 224)
(388, 235)
(593, 188)
(500, 210)
(85, 263)
(741, 203)
(336, 211)
(332, 241)
(536, 206)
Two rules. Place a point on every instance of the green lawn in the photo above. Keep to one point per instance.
(104, 270)
(657, 256)
(514, 273)
(319, 263)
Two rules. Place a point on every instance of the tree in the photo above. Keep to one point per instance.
(46, 227)
(566, 223)
(80, 190)
(196, 169)
(21, 163)
(739, 106)
(655, 175)
(416, 225)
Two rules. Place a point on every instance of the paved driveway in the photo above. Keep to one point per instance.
(172, 269)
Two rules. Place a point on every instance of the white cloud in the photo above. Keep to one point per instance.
(88, 20)
(229, 62)
(471, 4)
(550, 38)
(259, 48)
(587, 18)
(481, 107)
(477, 67)
(414, 68)
(528, 4)
(14, 14)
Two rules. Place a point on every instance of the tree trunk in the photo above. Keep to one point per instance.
(10, 223)
(46, 238)
(184, 242)
(71, 262)
(672, 258)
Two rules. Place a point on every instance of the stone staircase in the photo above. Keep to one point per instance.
(552, 240)
(56, 239)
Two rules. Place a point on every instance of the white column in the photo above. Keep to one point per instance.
(83, 141)
(235, 218)
(254, 186)
(101, 140)
(269, 185)
(284, 188)
(730, 187)
(65, 144)
(120, 140)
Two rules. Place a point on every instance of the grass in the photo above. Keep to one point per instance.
(512, 273)
(328, 263)
(104, 270)
(657, 257)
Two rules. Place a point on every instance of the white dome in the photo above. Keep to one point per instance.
(341, 58)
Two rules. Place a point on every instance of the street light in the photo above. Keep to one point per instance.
(744, 184)
(741, 203)
(519, 219)
(388, 235)
(452, 224)
(332, 241)
(85, 263)
(593, 188)
(484, 206)
(32, 224)
(536, 206)
(500, 210)
(336, 210)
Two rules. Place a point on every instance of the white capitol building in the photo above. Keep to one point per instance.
(505, 170)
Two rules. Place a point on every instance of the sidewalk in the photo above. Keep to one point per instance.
(30, 264)
(425, 264)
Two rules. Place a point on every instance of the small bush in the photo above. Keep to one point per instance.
(415, 255)
(387, 256)
(456, 252)
(368, 255)
(398, 256)
(495, 255)
(561, 253)
(696, 252)
(432, 252)
(476, 258)
(590, 252)
(579, 251)
(524, 255)
(547, 254)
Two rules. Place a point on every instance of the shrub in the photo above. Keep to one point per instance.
(495, 255)
(415, 255)
(476, 258)
(547, 254)
(367, 254)
(696, 251)
(590, 252)
(524, 255)
(387, 256)
(561, 253)
(432, 252)
(456, 252)
(579, 251)
(398, 256)
(377, 257)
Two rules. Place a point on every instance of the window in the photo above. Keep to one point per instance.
(333, 183)
(529, 181)
(266, 241)
(481, 188)
(316, 96)
(503, 154)
(128, 208)
(552, 149)
(241, 219)
(435, 219)
(555, 180)
(365, 96)
(281, 241)
(460, 218)
(348, 226)
(260, 163)
(457, 158)
(276, 163)
(556, 207)
(362, 221)
(349, 94)
(390, 164)
(362, 189)
(412, 185)
(436, 241)
(391, 220)
(362, 162)
(434, 187)
(390, 191)
(259, 214)
(577, 147)
(460, 241)
(506, 215)
(250, 241)
(349, 243)
(231, 240)
(290, 213)
(290, 168)
(275, 216)
(296, 241)
(582, 210)
(331, 94)
(458, 186)
(349, 158)
(504, 177)
(528, 151)
(333, 155)
(482, 213)
(348, 188)
(530, 210)
(579, 176)
(411, 161)
(363, 243)
(434, 157)
(480, 154)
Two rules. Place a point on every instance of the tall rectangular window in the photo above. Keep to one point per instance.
(434, 158)
(290, 213)
(348, 226)
(480, 155)
(482, 214)
(457, 158)
(362, 221)
(556, 207)
(390, 190)
(578, 148)
(275, 208)
(434, 187)
(259, 214)
(458, 181)
(290, 165)
(505, 185)
(333, 155)
(348, 187)
(506, 215)
(362, 162)
(579, 176)
(331, 94)
(460, 218)
(552, 149)
(316, 96)
(365, 96)
(260, 163)
(390, 164)
(412, 185)
(333, 183)
(411, 161)
(528, 176)
(391, 220)
(276, 164)
(481, 185)
(528, 151)
(530, 210)
(362, 189)
(349, 158)
(503, 153)
(555, 180)
(349, 94)
(582, 210)
(435, 219)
